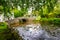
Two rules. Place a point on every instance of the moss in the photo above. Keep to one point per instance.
(3, 25)
(7, 33)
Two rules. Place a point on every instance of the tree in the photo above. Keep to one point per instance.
(38, 5)
(6, 7)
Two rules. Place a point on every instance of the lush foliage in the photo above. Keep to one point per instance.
(45, 11)
(7, 33)
(3, 26)
(44, 7)
(40, 8)
(54, 21)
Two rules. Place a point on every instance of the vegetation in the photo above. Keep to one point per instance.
(7, 33)
(44, 7)
(54, 21)
(45, 11)
(3, 26)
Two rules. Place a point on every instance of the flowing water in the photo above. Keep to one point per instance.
(34, 32)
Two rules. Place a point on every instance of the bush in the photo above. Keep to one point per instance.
(18, 13)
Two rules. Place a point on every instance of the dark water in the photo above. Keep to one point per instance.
(34, 32)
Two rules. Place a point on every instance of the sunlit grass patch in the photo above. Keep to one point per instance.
(3, 26)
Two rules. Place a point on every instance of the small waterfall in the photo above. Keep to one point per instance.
(33, 32)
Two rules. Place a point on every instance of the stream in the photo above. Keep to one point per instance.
(34, 32)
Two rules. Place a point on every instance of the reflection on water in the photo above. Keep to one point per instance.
(34, 32)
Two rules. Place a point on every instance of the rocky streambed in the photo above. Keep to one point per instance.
(36, 32)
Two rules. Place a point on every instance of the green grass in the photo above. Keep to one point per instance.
(55, 21)
(3, 26)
